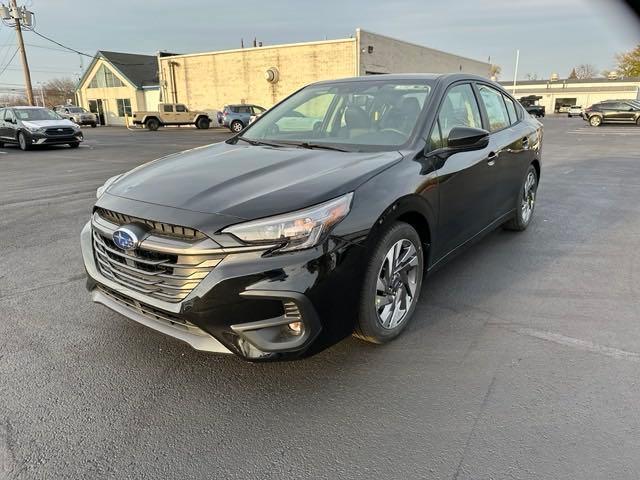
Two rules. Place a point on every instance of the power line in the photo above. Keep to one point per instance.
(79, 52)
(10, 60)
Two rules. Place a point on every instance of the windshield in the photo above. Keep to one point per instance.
(36, 114)
(76, 110)
(378, 114)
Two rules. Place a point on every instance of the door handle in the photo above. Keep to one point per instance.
(491, 158)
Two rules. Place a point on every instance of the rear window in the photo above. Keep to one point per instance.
(511, 108)
(495, 108)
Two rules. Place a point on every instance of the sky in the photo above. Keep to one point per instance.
(552, 35)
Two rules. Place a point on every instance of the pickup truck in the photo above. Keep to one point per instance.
(171, 114)
(535, 110)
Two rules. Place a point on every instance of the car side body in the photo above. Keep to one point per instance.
(237, 117)
(612, 111)
(450, 182)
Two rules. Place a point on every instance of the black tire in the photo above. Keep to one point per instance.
(24, 142)
(74, 144)
(369, 325)
(1, 144)
(595, 120)
(202, 123)
(521, 221)
(152, 124)
(93, 125)
(236, 126)
(638, 121)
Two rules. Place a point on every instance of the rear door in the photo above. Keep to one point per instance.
(182, 114)
(465, 179)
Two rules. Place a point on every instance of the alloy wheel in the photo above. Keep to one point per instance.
(528, 197)
(397, 283)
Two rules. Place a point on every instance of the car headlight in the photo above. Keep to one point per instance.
(106, 185)
(35, 129)
(297, 230)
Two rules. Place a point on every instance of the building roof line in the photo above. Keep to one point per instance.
(420, 46)
(264, 47)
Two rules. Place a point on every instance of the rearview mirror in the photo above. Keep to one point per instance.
(463, 139)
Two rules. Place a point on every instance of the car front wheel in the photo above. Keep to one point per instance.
(595, 121)
(23, 142)
(392, 283)
(526, 202)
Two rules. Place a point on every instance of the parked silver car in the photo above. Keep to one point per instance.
(76, 114)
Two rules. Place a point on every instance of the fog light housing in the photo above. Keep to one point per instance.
(296, 328)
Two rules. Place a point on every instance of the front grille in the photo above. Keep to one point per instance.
(59, 131)
(157, 228)
(166, 276)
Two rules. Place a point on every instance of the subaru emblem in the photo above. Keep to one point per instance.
(125, 239)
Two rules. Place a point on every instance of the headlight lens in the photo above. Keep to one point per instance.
(35, 129)
(298, 230)
(106, 185)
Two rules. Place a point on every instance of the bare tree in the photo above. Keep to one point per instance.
(585, 70)
(58, 91)
(573, 75)
(12, 99)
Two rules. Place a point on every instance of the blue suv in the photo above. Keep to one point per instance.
(236, 117)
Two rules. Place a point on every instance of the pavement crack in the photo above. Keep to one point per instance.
(481, 410)
(16, 293)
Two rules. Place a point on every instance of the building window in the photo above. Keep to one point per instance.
(105, 78)
(124, 107)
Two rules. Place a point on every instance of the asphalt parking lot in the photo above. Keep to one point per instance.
(522, 361)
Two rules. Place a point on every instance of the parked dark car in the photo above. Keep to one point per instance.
(33, 126)
(280, 241)
(613, 111)
(237, 117)
(536, 110)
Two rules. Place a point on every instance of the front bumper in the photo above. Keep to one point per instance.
(245, 304)
(38, 138)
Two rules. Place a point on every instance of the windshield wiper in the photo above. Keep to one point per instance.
(317, 145)
(257, 142)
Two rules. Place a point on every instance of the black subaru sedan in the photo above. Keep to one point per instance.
(318, 221)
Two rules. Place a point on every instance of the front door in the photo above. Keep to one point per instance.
(96, 106)
(465, 179)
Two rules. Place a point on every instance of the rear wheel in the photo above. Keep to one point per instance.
(152, 124)
(391, 286)
(202, 123)
(93, 125)
(595, 121)
(23, 142)
(236, 126)
(526, 202)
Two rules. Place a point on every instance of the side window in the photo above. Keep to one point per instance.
(459, 109)
(168, 108)
(511, 108)
(8, 116)
(495, 107)
(181, 108)
(245, 110)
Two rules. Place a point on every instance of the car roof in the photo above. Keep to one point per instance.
(448, 77)
(22, 107)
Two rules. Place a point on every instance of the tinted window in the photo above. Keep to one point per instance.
(459, 109)
(365, 115)
(495, 107)
(8, 115)
(181, 108)
(244, 110)
(168, 108)
(511, 108)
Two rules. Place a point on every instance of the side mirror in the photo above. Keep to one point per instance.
(464, 139)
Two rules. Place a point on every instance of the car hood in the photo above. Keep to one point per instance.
(48, 123)
(248, 181)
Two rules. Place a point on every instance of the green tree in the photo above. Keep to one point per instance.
(629, 63)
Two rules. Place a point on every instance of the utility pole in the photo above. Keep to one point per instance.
(15, 13)
(515, 73)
